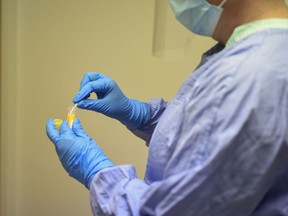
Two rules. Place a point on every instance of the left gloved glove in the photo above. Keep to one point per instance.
(81, 157)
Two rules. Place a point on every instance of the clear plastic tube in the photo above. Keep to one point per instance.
(71, 115)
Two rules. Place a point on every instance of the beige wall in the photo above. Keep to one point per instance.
(47, 46)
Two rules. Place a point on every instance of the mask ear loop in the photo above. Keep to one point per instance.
(222, 3)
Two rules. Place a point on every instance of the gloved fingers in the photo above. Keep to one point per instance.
(95, 105)
(65, 129)
(51, 131)
(78, 129)
(97, 86)
(88, 77)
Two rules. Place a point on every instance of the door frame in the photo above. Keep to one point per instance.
(8, 107)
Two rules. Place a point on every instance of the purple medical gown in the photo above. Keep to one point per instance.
(220, 147)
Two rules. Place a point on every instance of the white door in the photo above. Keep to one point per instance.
(46, 47)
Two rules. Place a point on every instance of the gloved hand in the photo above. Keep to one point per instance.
(111, 101)
(81, 157)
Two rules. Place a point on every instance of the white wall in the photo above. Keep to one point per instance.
(47, 46)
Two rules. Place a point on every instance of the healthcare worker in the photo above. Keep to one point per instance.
(220, 147)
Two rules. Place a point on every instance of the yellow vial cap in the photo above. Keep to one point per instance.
(57, 123)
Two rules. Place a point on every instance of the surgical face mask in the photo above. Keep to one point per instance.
(199, 16)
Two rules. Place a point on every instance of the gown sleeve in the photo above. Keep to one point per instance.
(157, 107)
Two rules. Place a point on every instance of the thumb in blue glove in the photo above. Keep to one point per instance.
(111, 101)
(80, 156)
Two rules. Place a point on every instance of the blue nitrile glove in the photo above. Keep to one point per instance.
(81, 157)
(111, 101)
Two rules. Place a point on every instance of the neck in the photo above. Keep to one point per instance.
(237, 13)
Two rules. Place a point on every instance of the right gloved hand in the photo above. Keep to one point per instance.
(111, 101)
